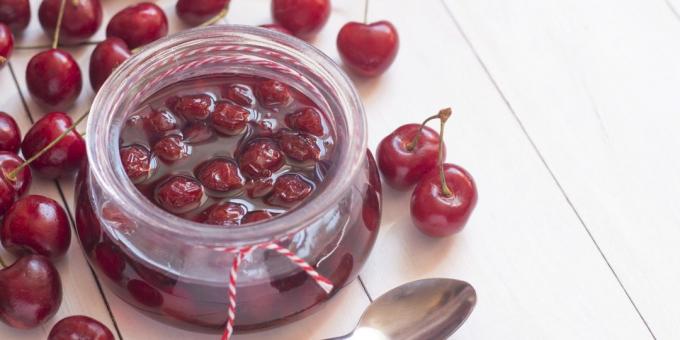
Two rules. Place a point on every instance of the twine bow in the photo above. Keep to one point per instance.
(241, 253)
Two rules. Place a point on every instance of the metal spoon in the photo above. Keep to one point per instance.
(425, 309)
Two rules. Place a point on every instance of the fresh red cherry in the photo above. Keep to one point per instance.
(230, 119)
(138, 24)
(30, 292)
(192, 107)
(443, 200)
(179, 194)
(65, 156)
(220, 175)
(160, 122)
(15, 13)
(290, 189)
(306, 120)
(256, 216)
(7, 196)
(239, 94)
(261, 158)
(6, 43)
(368, 50)
(20, 181)
(299, 146)
(53, 78)
(403, 159)
(79, 327)
(278, 28)
(137, 162)
(36, 225)
(105, 58)
(82, 19)
(171, 149)
(272, 93)
(437, 213)
(10, 135)
(224, 214)
(302, 17)
(196, 12)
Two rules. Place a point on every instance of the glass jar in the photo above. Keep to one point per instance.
(177, 270)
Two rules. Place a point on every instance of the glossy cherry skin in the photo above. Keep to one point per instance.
(36, 225)
(15, 13)
(299, 146)
(7, 195)
(368, 50)
(402, 168)
(6, 43)
(256, 216)
(30, 292)
(289, 189)
(303, 18)
(196, 12)
(82, 19)
(437, 215)
(138, 24)
(224, 214)
(64, 157)
(179, 194)
(105, 58)
(220, 175)
(8, 162)
(53, 78)
(10, 135)
(306, 120)
(79, 327)
(230, 119)
(137, 162)
(261, 158)
(278, 28)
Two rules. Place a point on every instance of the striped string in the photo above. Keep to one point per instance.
(320, 280)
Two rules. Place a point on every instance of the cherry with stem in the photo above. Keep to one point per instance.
(13, 174)
(444, 199)
(409, 152)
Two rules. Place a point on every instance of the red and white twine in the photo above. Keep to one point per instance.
(241, 253)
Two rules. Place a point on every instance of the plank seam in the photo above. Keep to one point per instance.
(363, 286)
(68, 209)
(545, 163)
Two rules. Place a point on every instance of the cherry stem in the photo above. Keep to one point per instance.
(412, 145)
(60, 18)
(218, 17)
(443, 115)
(2, 263)
(12, 176)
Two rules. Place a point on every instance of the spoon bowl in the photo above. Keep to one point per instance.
(423, 309)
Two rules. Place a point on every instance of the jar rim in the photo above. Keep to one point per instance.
(102, 160)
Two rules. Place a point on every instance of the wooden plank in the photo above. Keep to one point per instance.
(596, 86)
(80, 292)
(537, 272)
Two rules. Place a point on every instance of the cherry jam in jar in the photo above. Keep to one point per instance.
(223, 138)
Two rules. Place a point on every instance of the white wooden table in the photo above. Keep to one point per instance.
(567, 113)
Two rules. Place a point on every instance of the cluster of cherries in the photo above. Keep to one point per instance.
(272, 165)
(54, 78)
(227, 150)
(445, 194)
(36, 228)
